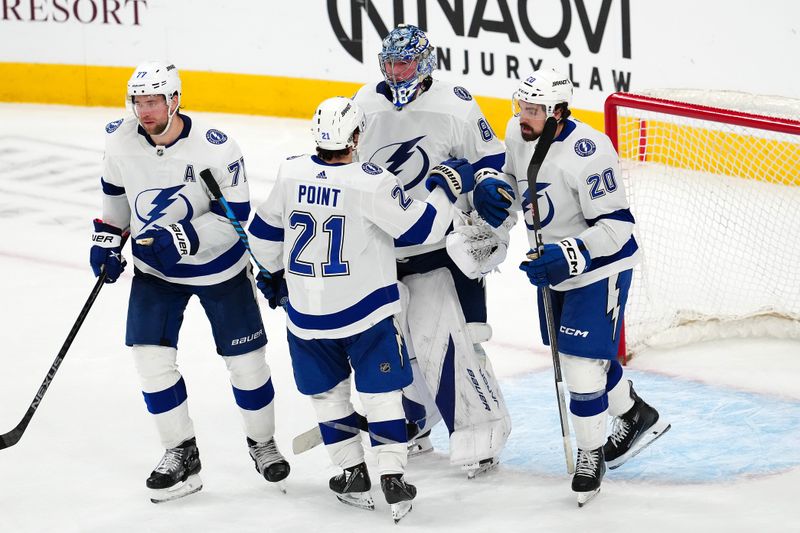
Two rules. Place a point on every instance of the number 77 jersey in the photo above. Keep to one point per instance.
(333, 227)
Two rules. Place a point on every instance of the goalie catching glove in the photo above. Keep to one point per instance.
(557, 262)
(454, 176)
(475, 247)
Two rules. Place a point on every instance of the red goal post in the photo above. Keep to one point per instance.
(713, 178)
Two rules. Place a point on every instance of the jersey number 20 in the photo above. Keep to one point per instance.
(334, 227)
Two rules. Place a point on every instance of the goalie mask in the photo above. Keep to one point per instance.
(544, 87)
(406, 59)
(155, 78)
(335, 122)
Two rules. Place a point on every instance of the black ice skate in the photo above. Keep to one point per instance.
(589, 472)
(352, 487)
(632, 432)
(177, 475)
(269, 461)
(398, 494)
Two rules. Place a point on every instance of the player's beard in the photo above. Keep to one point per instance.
(155, 129)
(527, 133)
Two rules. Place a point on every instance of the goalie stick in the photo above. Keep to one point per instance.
(13, 436)
(539, 153)
(213, 187)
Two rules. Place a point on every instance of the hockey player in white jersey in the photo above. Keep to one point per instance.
(183, 245)
(414, 121)
(587, 260)
(328, 230)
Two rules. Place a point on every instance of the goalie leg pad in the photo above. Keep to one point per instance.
(339, 425)
(252, 388)
(387, 430)
(586, 381)
(463, 386)
(164, 392)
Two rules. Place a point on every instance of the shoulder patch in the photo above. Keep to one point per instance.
(585, 147)
(462, 93)
(486, 131)
(111, 127)
(371, 168)
(216, 137)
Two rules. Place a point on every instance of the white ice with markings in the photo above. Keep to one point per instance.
(730, 462)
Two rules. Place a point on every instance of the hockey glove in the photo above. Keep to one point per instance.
(454, 176)
(164, 247)
(274, 289)
(491, 205)
(106, 253)
(557, 263)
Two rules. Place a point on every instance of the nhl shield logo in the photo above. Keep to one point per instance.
(385, 368)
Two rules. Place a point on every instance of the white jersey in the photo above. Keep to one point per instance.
(146, 187)
(579, 194)
(339, 222)
(442, 122)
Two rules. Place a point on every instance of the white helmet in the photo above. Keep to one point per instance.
(335, 121)
(545, 87)
(155, 77)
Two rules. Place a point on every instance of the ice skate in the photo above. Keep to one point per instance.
(589, 473)
(420, 445)
(177, 475)
(352, 487)
(632, 432)
(398, 494)
(481, 467)
(269, 462)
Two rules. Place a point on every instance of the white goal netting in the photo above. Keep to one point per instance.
(713, 179)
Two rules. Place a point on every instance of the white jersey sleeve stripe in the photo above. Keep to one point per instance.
(219, 264)
(110, 189)
(358, 311)
(421, 229)
(240, 209)
(495, 161)
(623, 215)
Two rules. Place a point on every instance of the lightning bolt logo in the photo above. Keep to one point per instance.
(526, 204)
(162, 201)
(400, 156)
(612, 305)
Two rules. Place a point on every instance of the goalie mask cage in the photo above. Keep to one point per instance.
(713, 180)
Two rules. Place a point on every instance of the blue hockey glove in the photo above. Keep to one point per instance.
(274, 289)
(106, 252)
(491, 205)
(164, 247)
(454, 176)
(557, 263)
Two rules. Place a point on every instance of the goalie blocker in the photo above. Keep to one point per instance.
(460, 378)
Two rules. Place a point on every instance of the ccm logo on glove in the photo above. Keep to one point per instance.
(575, 259)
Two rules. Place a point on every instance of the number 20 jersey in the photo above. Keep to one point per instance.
(579, 193)
(332, 228)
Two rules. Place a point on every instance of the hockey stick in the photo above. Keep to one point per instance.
(13, 436)
(213, 187)
(542, 147)
(312, 438)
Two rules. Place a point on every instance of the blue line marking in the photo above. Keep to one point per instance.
(718, 433)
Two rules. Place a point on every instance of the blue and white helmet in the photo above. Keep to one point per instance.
(154, 77)
(335, 123)
(406, 59)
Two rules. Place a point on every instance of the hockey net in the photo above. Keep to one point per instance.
(713, 180)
